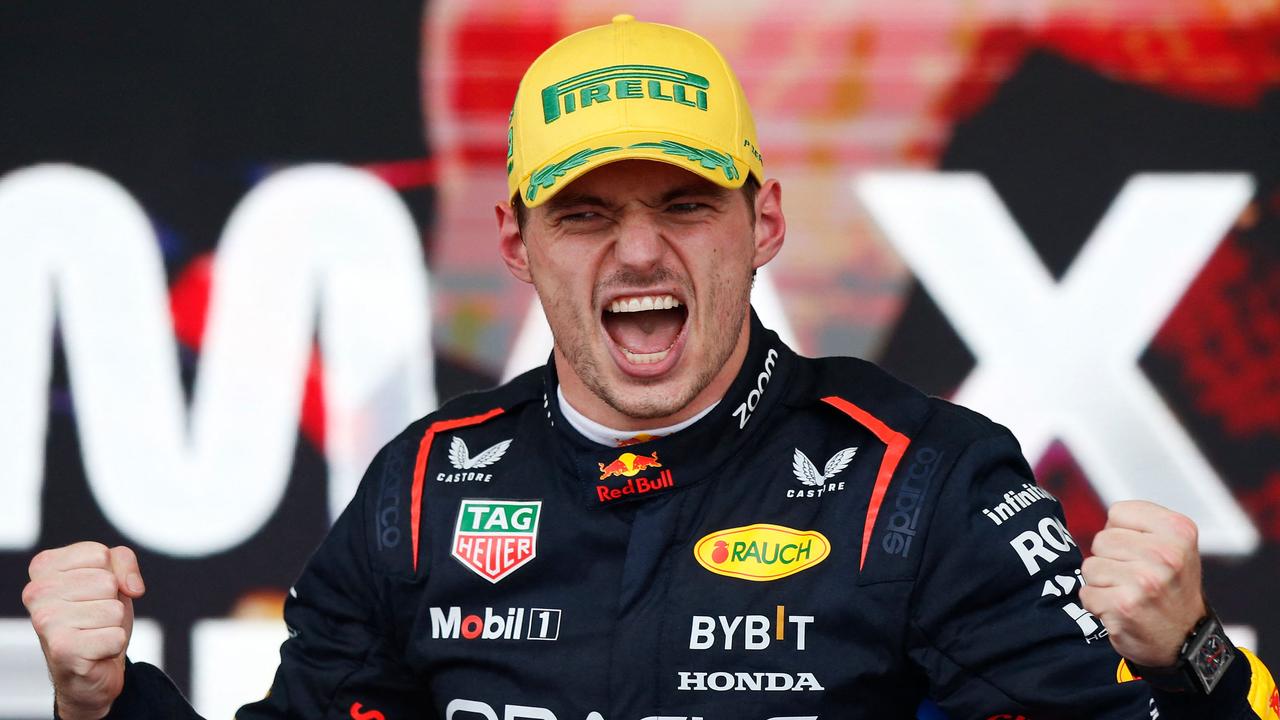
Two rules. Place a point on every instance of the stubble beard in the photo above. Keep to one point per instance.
(655, 401)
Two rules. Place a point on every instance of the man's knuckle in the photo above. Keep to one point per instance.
(115, 640)
(1129, 605)
(62, 649)
(1172, 559)
(32, 594)
(1091, 566)
(102, 584)
(1185, 529)
(39, 563)
(114, 613)
(1150, 583)
(125, 553)
(99, 555)
(42, 620)
(80, 667)
(1105, 541)
(1121, 510)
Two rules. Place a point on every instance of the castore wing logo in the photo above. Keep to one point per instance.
(807, 473)
(460, 455)
(815, 482)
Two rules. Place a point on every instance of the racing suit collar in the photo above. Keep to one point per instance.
(657, 467)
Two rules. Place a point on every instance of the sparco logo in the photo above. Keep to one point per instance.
(906, 506)
(748, 406)
(758, 681)
(388, 518)
(513, 624)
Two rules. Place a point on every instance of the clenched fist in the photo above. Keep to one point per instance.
(1144, 581)
(81, 603)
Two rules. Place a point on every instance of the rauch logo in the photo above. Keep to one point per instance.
(761, 552)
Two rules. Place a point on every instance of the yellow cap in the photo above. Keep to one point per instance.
(627, 90)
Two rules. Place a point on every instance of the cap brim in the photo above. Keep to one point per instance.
(714, 164)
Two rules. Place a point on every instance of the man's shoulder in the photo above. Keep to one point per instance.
(942, 464)
(482, 413)
(507, 397)
(874, 395)
(494, 406)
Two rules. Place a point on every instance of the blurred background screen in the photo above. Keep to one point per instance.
(242, 244)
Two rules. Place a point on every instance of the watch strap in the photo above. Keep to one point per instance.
(1203, 660)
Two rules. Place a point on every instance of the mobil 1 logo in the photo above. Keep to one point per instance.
(510, 624)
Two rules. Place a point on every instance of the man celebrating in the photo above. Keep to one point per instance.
(678, 516)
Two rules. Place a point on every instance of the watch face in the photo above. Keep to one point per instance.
(1213, 653)
(1211, 659)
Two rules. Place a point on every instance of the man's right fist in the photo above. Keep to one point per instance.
(81, 603)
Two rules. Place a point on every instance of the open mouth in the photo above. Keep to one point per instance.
(645, 329)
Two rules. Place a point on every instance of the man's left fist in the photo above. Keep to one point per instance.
(1143, 581)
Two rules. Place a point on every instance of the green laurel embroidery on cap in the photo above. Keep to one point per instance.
(709, 159)
(548, 175)
(511, 136)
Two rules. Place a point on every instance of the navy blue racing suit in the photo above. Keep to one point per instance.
(826, 543)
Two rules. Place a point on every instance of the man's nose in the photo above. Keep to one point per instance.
(640, 245)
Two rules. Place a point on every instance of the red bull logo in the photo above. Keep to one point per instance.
(636, 486)
(628, 465)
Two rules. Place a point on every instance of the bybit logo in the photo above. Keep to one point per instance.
(751, 632)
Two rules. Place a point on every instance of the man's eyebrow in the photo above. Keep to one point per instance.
(571, 199)
(564, 200)
(693, 189)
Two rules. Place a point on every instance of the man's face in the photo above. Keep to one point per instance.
(644, 272)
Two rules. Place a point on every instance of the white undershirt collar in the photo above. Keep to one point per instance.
(595, 432)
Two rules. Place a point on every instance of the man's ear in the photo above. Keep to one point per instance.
(511, 243)
(771, 226)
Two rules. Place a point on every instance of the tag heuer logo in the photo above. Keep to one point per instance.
(494, 537)
(816, 482)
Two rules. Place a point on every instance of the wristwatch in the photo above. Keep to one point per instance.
(1202, 661)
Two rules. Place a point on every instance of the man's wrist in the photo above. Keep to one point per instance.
(1202, 661)
(63, 710)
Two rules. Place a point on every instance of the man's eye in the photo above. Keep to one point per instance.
(578, 217)
(683, 208)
